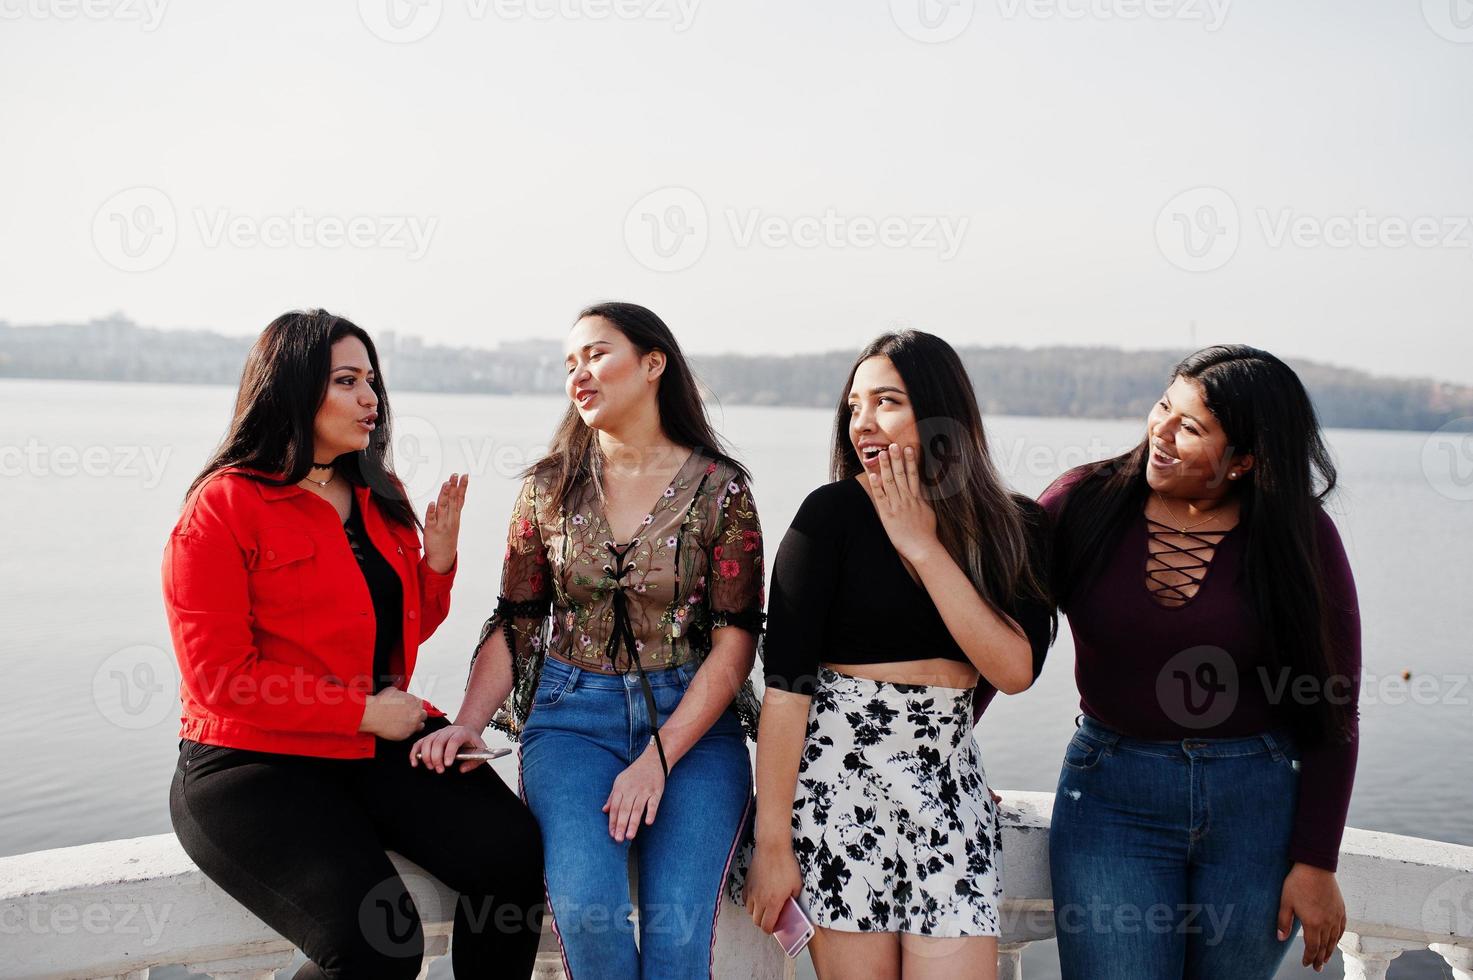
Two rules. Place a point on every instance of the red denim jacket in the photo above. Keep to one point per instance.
(272, 622)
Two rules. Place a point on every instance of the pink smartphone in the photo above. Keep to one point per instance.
(793, 928)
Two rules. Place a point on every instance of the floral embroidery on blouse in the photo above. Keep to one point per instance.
(697, 566)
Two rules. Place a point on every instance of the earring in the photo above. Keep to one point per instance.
(1233, 475)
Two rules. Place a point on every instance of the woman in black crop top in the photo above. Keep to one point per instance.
(904, 595)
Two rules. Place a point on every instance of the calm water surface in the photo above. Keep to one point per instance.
(93, 474)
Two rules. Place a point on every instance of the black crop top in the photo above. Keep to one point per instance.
(387, 593)
(840, 594)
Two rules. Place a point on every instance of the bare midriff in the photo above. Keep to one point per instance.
(935, 672)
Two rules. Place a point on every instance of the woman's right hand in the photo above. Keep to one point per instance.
(392, 715)
(772, 879)
(437, 749)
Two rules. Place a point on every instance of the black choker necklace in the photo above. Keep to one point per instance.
(321, 466)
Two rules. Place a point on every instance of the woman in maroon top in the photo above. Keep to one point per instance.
(1201, 803)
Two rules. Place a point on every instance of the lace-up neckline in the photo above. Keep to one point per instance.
(1175, 572)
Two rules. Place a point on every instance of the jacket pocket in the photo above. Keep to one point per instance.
(279, 566)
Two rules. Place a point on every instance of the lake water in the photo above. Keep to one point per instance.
(93, 474)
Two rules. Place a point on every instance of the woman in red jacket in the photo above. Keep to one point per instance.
(298, 593)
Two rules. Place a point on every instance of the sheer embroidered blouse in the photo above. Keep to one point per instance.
(694, 566)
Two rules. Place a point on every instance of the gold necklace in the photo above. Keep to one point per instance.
(1182, 530)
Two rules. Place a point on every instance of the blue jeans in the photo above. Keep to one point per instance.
(584, 730)
(1168, 858)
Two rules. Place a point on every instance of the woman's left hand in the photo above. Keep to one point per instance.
(907, 516)
(442, 524)
(1313, 896)
(636, 794)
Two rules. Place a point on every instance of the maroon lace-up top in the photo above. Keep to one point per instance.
(1167, 647)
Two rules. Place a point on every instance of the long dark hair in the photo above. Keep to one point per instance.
(1265, 410)
(982, 525)
(281, 387)
(573, 455)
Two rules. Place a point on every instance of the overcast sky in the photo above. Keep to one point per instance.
(768, 175)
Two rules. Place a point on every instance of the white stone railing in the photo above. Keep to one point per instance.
(120, 908)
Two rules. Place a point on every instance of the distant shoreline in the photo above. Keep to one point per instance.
(1046, 382)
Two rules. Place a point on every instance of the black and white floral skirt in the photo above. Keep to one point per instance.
(893, 824)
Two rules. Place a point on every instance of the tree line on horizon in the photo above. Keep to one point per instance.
(1078, 382)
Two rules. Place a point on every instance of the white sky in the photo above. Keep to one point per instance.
(1057, 130)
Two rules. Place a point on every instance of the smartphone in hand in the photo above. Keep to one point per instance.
(486, 755)
(793, 928)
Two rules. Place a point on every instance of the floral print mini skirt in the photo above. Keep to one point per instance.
(893, 825)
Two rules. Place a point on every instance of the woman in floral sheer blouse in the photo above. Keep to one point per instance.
(620, 652)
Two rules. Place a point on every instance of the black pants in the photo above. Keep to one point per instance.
(300, 842)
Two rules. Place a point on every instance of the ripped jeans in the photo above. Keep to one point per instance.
(1168, 858)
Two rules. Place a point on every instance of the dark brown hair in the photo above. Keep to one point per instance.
(1265, 410)
(282, 386)
(982, 524)
(573, 455)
